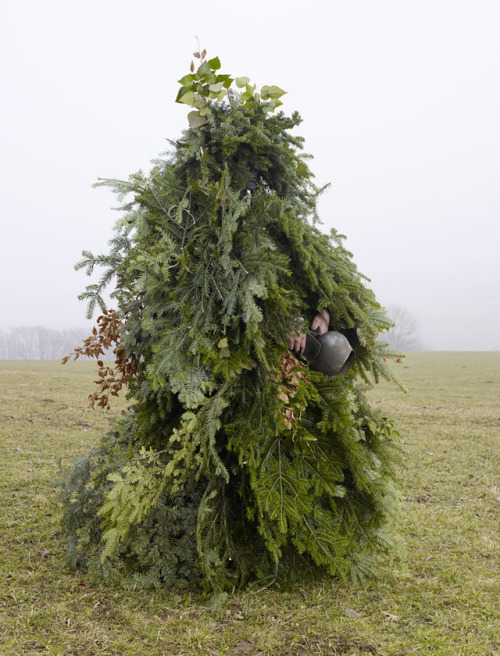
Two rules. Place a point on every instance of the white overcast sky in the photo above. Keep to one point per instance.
(400, 101)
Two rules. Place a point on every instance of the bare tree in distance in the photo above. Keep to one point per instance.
(404, 335)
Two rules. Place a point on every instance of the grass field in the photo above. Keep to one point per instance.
(447, 602)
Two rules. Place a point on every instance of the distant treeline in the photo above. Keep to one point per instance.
(39, 343)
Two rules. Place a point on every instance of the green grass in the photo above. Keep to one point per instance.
(447, 602)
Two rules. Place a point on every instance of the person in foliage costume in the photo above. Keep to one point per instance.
(237, 462)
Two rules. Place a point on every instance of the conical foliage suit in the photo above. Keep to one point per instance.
(236, 461)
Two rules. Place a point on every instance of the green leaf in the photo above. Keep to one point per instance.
(198, 103)
(214, 63)
(181, 92)
(273, 92)
(188, 98)
(242, 81)
(205, 69)
(226, 79)
(196, 120)
(271, 106)
(187, 80)
(216, 87)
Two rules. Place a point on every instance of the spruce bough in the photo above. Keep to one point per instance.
(236, 462)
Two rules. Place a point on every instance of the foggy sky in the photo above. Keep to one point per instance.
(400, 103)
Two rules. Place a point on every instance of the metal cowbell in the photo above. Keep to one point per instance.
(330, 353)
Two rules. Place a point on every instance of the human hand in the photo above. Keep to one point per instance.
(321, 322)
(297, 342)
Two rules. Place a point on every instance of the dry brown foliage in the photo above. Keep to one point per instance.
(291, 373)
(111, 379)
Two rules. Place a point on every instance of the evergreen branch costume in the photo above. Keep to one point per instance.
(236, 461)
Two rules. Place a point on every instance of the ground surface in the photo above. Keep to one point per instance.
(447, 603)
